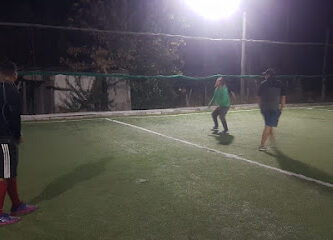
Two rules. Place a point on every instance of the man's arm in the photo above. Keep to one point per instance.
(14, 118)
(283, 102)
(283, 97)
(213, 99)
(233, 97)
(259, 95)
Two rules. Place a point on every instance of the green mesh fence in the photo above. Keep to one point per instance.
(126, 76)
(56, 91)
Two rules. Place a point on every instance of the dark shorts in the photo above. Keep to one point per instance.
(8, 158)
(222, 111)
(271, 117)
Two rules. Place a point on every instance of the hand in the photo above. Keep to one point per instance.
(20, 139)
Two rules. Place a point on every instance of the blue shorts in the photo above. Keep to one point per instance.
(271, 117)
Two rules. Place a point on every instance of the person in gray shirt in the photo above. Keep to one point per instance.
(272, 99)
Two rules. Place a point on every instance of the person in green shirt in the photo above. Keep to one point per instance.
(221, 97)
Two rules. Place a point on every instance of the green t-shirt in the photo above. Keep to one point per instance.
(221, 97)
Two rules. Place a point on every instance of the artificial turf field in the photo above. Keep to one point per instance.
(100, 179)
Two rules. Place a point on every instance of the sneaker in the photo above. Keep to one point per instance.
(5, 219)
(22, 209)
(215, 128)
(262, 148)
(225, 132)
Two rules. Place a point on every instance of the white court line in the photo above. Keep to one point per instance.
(228, 155)
(189, 113)
(230, 111)
(127, 116)
(326, 110)
(322, 106)
(164, 115)
(65, 120)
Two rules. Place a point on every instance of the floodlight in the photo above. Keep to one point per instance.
(214, 9)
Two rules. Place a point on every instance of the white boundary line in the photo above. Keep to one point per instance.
(65, 120)
(163, 115)
(133, 116)
(190, 113)
(228, 155)
(230, 111)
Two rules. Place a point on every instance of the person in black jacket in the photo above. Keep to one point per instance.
(10, 137)
(272, 99)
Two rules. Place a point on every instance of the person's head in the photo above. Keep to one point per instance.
(269, 73)
(219, 82)
(8, 71)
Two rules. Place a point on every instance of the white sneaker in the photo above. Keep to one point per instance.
(262, 148)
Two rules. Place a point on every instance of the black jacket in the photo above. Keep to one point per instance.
(10, 115)
(271, 91)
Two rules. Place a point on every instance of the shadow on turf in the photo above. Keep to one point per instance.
(65, 182)
(224, 139)
(292, 165)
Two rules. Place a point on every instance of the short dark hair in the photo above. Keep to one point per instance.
(8, 68)
(269, 71)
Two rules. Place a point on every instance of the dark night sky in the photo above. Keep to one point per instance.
(35, 11)
(267, 19)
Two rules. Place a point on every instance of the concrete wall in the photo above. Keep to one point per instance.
(63, 82)
(118, 91)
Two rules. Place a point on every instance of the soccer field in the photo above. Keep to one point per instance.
(170, 177)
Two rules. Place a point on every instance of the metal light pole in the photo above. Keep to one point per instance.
(323, 86)
(243, 59)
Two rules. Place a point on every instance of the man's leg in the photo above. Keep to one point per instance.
(11, 181)
(215, 113)
(5, 219)
(266, 132)
(12, 192)
(223, 113)
(4, 171)
(272, 136)
(3, 189)
(275, 120)
(18, 207)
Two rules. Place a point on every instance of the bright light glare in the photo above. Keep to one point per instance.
(214, 9)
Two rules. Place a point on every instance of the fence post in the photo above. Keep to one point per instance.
(323, 83)
(243, 59)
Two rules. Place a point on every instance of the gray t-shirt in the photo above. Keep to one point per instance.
(270, 92)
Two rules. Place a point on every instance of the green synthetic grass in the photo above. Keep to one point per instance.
(100, 180)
